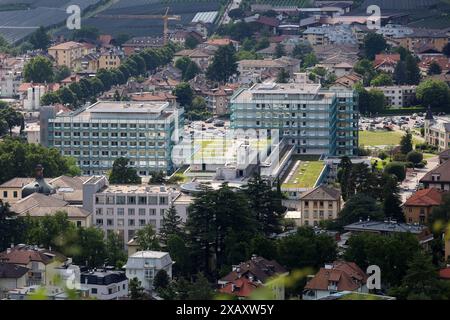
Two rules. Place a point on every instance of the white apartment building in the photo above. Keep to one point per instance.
(105, 284)
(437, 131)
(398, 96)
(127, 208)
(9, 84)
(144, 265)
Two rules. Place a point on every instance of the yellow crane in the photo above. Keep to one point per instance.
(165, 17)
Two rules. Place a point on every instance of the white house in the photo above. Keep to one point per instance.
(144, 265)
(105, 284)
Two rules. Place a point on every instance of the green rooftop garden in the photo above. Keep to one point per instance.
(305, 174)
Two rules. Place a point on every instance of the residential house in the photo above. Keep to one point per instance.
(320, 204)
(218, 99)
(11, 277)
(65, 54)
(144, 265)
(42, 264)
(138, 44)
(202, 57)
(105, 284)
(437, 38)
(437, 131)
(438, 177)
(398, 95)
(110, 59)
(426, 61)
(87, 63)
(249, 275)
(218, 42)
(336, 277)
(30, 94)
(347, 82)
(417, 208)
(180, 36)
(444, 156)
(342, 69)
(390, 227)
(386, 62)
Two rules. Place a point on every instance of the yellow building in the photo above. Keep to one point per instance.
(65, 54)
(109, 60)
(11, 191)
(320, 204)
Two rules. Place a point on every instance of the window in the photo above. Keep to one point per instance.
(99, 222)
(142, 200)
(131, 222)
(131, 200)
(142, 211)
(120, 200)
(131, 211)
(120, 211)
(152, 212)
(109, 222)
(141, 222)
(5, 194)
(163, 200)
(94, 290)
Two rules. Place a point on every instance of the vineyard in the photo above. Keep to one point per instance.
(31, 14)
(185, 8)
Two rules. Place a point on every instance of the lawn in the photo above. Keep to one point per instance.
(381, 138)
(305, 174)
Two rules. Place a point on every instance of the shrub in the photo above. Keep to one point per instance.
(397, 169)
(414, 157)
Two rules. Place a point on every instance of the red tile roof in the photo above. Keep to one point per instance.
(23, 255)
(241, 287)
(444, 273)
(347, 275)
(425, 198)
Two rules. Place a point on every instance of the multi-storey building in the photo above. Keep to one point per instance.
(65, 54)
(143, 132)
(124, 209)
(437, 131)
(110, 59)
(320, 204)
(398, 96)
(315, 121)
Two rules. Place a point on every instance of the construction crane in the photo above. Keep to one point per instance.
(166, 17)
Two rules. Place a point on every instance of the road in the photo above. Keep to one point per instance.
(412, 179)
(234, 4)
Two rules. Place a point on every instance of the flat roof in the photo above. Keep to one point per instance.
(129, 188)
(304, 174)
(127, 107)
(149, 254)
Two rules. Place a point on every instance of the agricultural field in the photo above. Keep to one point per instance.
(185, 8)
(20, 18)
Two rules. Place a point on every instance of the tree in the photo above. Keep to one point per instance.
(121, 38)
(383, 79)
(310, 60)
(421, 281)
(360, 207)
(440, 215)
(146, 238)
(343, 177)
(265, 204)
(236, 13)
(434, 68)
(85, 33)
(12, 118)
(373, 44)
(414, 157)
(38, 70)
(201, 289)
(396, 168)
(446, 49)
(280, 50)
(170, 224)
(391, 254)
(406, 143)
(392, 201)
(191, 42)
(91, 249)
(61, 73)
(123, 174)
(184, 94)
(96, 86)
(304, 249)
(191, 71)
(301, 49)
(224, 64)
(365, 68)
(40, 39)
(179, 252)
(136, 290)
(66, 96)
(400, 75)
(157, 177)
(283, 76)
(50, 98)
(161, 280)
(412, 70)
(19, 159)
(433, 93)
(115, 253)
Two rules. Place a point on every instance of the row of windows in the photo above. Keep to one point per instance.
(121, 222)
(5, 194)
(96, 134)
(142, 144)
(130, 211)
(109, 125)
(132, 200)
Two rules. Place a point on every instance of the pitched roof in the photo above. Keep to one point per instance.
(66, 46)
(16, 183)
(443, 170)
(12, 271)
(258, 267)
(241, 287)
(425, 198)
(347, 275)
(322, 192)
(36, 200)
(23, 255)
(444, 273)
